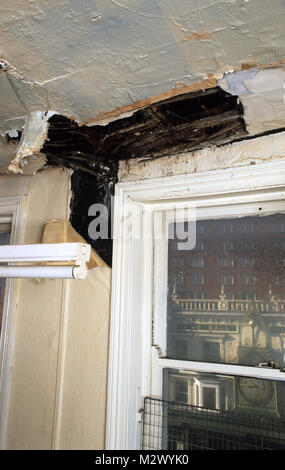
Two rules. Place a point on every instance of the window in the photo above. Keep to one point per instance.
(248, 279)
(226, 245)
(5, 233)
(226, 262)
(219, 366)
(177, 262)
(177, 279)
(226, 279)
(226, 228)
(196, 261)
(246, 227)
(246, 262)
(197, 278)
(11, 232)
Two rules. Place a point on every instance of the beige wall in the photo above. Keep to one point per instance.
(58, 386)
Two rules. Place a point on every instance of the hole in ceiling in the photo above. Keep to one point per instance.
(180, 124)
(184, 123)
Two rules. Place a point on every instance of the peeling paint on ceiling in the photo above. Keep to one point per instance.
(262, 94)
(94, 61)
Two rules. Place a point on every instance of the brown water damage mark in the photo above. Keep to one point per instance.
(191, 36)
(196, 36)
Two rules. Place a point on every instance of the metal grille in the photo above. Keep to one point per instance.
(177, 426)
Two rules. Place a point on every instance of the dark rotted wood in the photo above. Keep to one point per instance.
(176, 125)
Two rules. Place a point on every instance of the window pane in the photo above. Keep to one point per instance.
(226, 303)
(225, 393)
(215, 412)
(4, 240)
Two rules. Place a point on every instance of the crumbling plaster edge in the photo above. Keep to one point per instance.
(244, 153)
(210, 81)
(36, 124)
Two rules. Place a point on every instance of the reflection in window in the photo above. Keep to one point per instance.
(211, 351)
(248, 295)
(197, 278)
(209, 398)
(181, 391)
(181, 348)
(226, 245)
(246, 261)
(280, 280)
(196, 294)
(226, 279)
(277, 227)
(199, 246)
(196, 261)
(234, 299)
(247, 244)
(226, 262)
(227, 393)
(177, 279)
(248, 279)
(246, 227)
(226, 227)
(177, 262)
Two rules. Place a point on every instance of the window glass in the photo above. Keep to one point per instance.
(227, 303)
(225, 393)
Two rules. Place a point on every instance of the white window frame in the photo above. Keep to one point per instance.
(13, 207)
(135, 365)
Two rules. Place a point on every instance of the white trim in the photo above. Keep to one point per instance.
(13, 206)
(55, 252)
(243, 179)
(131, 308)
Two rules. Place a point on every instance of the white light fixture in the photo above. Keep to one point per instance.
(76, 253)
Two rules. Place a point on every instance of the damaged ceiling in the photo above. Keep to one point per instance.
(172, 126)
(95, 62)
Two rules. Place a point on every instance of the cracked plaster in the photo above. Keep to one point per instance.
(98, 62)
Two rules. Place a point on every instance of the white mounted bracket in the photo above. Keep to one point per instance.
(76, 253)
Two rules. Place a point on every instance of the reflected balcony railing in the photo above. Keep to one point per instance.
(222, 304)
(235, 306)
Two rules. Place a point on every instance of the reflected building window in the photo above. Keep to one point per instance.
(227, 303)
(248, 279)
(226, 245)
(211, 350)
(246, 261)
(226, 279)
(196, 261)
(197, 278)
(277, 227)
(246, 227)
(226, 262)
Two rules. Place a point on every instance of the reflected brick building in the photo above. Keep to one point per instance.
(245, 256)
(226, 298)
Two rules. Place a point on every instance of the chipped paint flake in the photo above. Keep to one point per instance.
(33, 138)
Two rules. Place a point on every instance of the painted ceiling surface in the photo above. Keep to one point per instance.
(83, 59)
